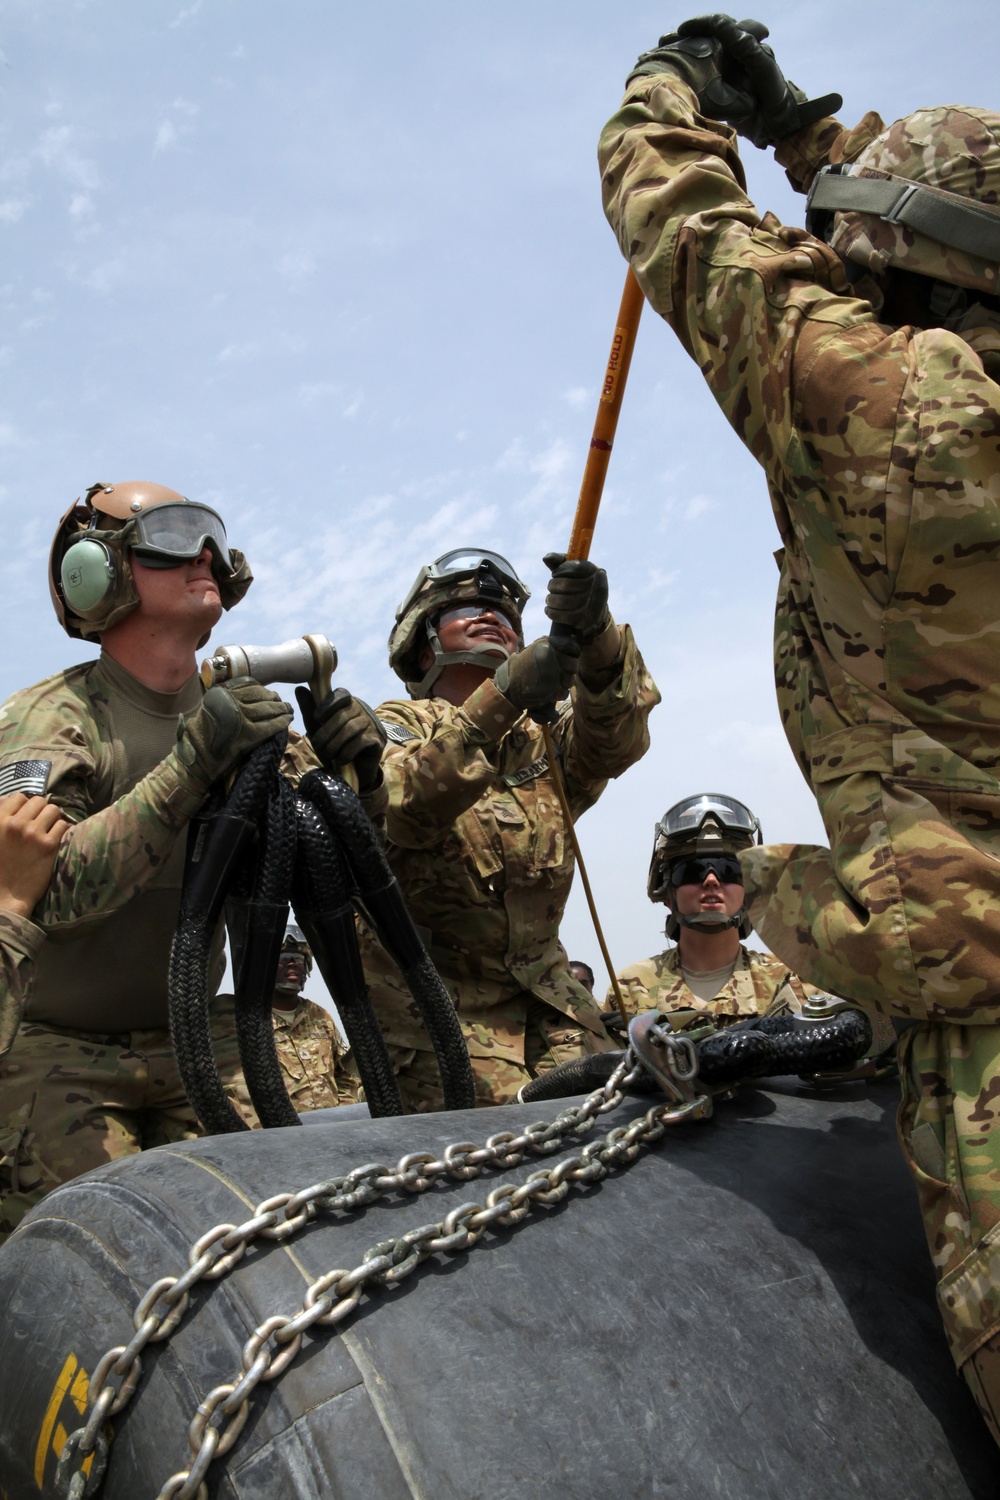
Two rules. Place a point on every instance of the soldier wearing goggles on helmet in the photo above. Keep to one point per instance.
(696, 873)
(316, 1063)
(126, 747)
(475, 833)
(859, 363)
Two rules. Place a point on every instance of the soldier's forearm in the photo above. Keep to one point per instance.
(113, 854)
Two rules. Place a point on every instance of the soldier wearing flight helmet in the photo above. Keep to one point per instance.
(475, 832)
(859, 363)
(127, 746)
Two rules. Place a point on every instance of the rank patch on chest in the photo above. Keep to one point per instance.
(28, 776)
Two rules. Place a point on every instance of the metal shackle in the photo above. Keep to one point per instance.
(308, 658)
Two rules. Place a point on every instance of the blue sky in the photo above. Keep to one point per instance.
(343, 272)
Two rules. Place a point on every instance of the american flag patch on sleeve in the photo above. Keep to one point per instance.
(28, 776)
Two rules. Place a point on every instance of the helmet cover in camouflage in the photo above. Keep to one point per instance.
(953, 148)
(409, 635)
(108, 515)
(711, 823)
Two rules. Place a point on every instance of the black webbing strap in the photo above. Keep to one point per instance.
(940, 215)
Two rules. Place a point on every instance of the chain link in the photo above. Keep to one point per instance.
(334, 1296)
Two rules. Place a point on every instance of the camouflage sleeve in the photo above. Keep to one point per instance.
(20, 941)
(825, 143)
(607, 731)
(111, 855)
(444, 764)
(804, 373)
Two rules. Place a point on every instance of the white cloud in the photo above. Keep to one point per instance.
(318, 390)
(185, 15)
(296, 266)
(351, 410)
(576, 395)
(697, 506)
(165, 135)
(246, 350)
(12, 209)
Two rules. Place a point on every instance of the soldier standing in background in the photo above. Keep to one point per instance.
(316, 1063)
(475, 831)
(859, 364)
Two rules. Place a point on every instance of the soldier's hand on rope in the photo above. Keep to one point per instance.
(577, 596)
(343, 731)
(736, 77)
(540, 674)
(30, 831)
(233, 719)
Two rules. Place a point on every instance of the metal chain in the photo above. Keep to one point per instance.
(275, 1342)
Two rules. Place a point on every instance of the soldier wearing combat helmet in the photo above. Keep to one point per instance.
(127, 746)
(316, 1063)
(859, 363)
(475, 834)
(695, 872)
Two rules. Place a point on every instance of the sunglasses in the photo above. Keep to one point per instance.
(696, 870)
(474, 612)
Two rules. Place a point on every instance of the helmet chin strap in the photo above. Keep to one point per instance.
(489, 658)
(709, 922)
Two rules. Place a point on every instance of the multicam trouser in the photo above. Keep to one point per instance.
(71, 1101)
(550, 1038)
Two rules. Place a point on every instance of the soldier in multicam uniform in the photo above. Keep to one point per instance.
(475, 831)
(694, 870)
(860, 368)
(316, 1062)
(127, 747)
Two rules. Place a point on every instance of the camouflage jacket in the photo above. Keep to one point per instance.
(760, 986)
(20, 941)
(881, 447)
(69, 737)
(476, 838)
(316, 1063)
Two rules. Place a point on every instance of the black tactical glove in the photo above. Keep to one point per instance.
(736, 78)
(233, 719)
(343, 731)
(538, 675)
(577, 596)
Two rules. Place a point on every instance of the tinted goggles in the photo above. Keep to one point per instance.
(697, 868)
(475, 612)
(468, 562)
(168, 535)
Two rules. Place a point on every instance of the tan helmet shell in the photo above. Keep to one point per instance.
(951, 147)
(106, 514)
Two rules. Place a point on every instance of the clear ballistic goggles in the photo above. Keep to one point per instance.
(475, 612)
(171, 534)
(696, 869)
(687, 817)
(463, 563)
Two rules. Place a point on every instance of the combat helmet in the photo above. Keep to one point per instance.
(294, 941)
(707, 825)
(90, 579)
(924, 196)
(463, 576)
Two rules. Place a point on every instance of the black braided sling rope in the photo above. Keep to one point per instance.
(321, 895)
(218, 844)
(765, 1047)
(381, 902)
(264, 917)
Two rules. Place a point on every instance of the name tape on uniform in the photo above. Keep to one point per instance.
(528, 773)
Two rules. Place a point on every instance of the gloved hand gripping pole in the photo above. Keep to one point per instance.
(591, 489)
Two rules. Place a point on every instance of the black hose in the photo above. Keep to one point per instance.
(381, 901)
(321, 896)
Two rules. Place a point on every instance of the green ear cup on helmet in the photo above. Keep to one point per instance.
(87, 574)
